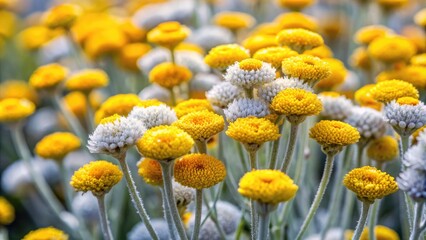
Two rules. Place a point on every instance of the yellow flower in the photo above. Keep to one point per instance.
(420, 18)
(252, 130)
(17, 89)
(407, 101)
(104, 42)
(269, 28)
(199, 171)
(383, 149)
(62, 15)
(201, 125)
(87, 80)
(364, 98)
(391, 4)
(337, 76)
(168, 34)
(387, 91)
(48, 76)
(169, 75)
(381, 232)
(9, 22)
(133, 33)
(149, 103)
(415, 75)
(334, 133)
(419, 60)
(299, 39)
(35, 37)
(322, 52)
(121, 104)
(415, 135)
(234, 20)
(402, 49)
(7, 212)
(308, 68)
(130, 54)
(165, 143)
(150, 170)
(361, 59)
(92, 23)
(222, 56)
(76, 103)
(366, 35)
(369, 183)
(97, 177)
(192, 105)
(274, 55)
(256, 42)
(57, 145)
(295, 5)
(296, 20)
(15, 109)
(47, 233)
(267, 186)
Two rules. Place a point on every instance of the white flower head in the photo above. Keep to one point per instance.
(223, 94)
(228, 216)
(415, 157)
(250, 73)
(154, 116)
(245, 107)
(86, 207)
(154, 91)
(139, 231)
(336, 108)
(268, 91)
(369, 122)
(405, 119)
(183, 195)
(114, 135)
(413, 182)
(204, 82)
(208, 230)
(209, 37)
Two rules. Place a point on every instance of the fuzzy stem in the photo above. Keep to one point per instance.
(90, 117)
(418, 212)
(362, 220)
(168, 215)
(274, 154)
(197, 221)
(4, 235)
(290, 147)
(201, 146)
(106, 230)
(253, 159)
(69, 117)
(66, 185)
(373, 220)
(253, 219)
(264, 225)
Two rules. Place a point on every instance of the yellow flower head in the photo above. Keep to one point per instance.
(267, 186)
(7, 212)
(415, 75)
(420, 18)
(97, 177)
(57, 145)
(47, 233)
(252, 130)
(17, 89)
(415, 135)
(402, 49)
(130, 54)
(269, 28)
(387, 91)
(381, 232)
(199, 171)
(169, 75)
(165, 143)
(364, 98)
(295, 5)
(186, 46)
(234, 20)
(360, 59)
(76, 103)
(369, 183)
(121, 104)
(87, 80)
(366, 35)
(407, 101)
(222, 56)
(103, 42)
(168, 34)
(299, 39)
(256, 42)
(274, 55)
(35, 37)
(62, 15)
(391, 4)
(296, 20)
(337, 76)
(192, 105)
(383, 149)
(201, 125)
(334, 133)
(48, 76)
(9, 22)
(419, 60)
(15, 109)
(149, 103)
(307, 68)
(322, 52)
(91, 23)
(150, 170)
(133, 33)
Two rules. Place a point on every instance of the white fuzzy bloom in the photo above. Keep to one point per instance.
(153, 116)
(139, 231)
(415, 157)
(351, 83)
(228, 216)
(268, 91)
(209, 37)
(223, 94)
(183, 195)
(245, 107)
(115, 137)
(153, 58)
(250, 78)
(204, 81)
(405, 119)
(154, 91)
(86, 207)
(413, 182)
(192, 60)
(336, 108)
(369, 122)
(208, 230)
(55, 49)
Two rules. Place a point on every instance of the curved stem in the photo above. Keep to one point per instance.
(290, 147)
(418, 212)
(70, 118)
(361, 222)
(373, 220)
(197, 221)
(106, 230)
(318, 197)
(264, 225)
(168, 215)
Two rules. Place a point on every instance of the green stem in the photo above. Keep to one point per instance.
(66, 185)
(404, 145)
(264, 225)
(318, 197)
(253, 159)
(4, 235)
(418, 212)
(253, 219)
(240, 226)
(197, 221)
(201, 146)
(373, 220)
(106, 230)
(168, 215)
(70, 118)
(90, 116)
(360, 154)
(362, 220)
(275, 148)
(172, 56)
(242, 157)
(290, 147)
(172, 96)
(349, 206)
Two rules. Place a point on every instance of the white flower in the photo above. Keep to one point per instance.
(228, 216)
(336, 108)
(414, 183)
(369, 122)
(192, 60)
(405, 119)
(415, 157)
(268, 91)
(154, 116)
(204, 82)
(55, 49)
(250, 78)
(139, 231)
(86, 207)
(153, 58)
(223, 94)
(154, 91)
(209, 37)
(245, 107)
(183, 195)
(208, 230)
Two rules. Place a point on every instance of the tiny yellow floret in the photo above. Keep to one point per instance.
(7, 212)
(15, 109)
(150, 170)
(364, 98)
(48, 76)
(387, 91)
(47, 233)
(169, 75)
(252, 130)
(408, 101)
(366, 35)
(201, 125)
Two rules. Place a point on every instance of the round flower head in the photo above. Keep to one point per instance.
(415, 75)
(7, 212)
(183, 196)
(107, 41)
(234, 20)
(62, 15)
(14, 109)
(253, 131)
(223, 94)
(209, 37)
(168, 34)
(369, 122)
(419, 60)
(415, 157)
(337, 76)
(57, 145)
(335, 107)
(201, 125)
(86, 207)
(268, 91)
(299, 39)
(150, 170)
(387, 91)
(267, 186)
(165, 143)
(366, 35)
(381, 233)
(274, 55)
(257, 42)
(416, 135)
(199, 171)
(364, 98)
(130, 54)
(46, 233)
(307, 68)
(360, 59)
(369, 183)
(154, 115)
(48, 76)
(322, 52)
(383, 149)
(406, 115)
(169, 75)
(402, 49)
(420, 18)
(192, 105)
(121, 104)
(222, 56)
(76, 103)
(246, 107)
(17, 89)
(250, 73)
(413, 182)
(296, 20)
(87, 80)
(139, 231)
(114, 135)
(295, 5)
(35, 37)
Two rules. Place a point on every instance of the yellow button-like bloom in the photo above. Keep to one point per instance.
(299, 39)
(420, 18)
(295, 5)
(415, 75)
(369, 183)
(130, 54)
(87, 80)
(269, 28)
(387, 91)
(15, 109)
(149, 103)
(186, 46)
(296, 20)
(48, 76)
(383, 149)
(92, 23)
(402, 49)
(252, 130)
(307, 68)
(366, 35)
(104, 42)
(274, 55)
(17, 89)
(7, 212)
(9, 22)
(35, 37)
(364, 98)
(150, 170)
(407, 101)
(121, 104)
(334, 133)
(192, 105)
(256, 42)
(201, 125)
(360, 59)
(337, 76)
(76, 103)
(322, 51)
(267, 186)
(234, 20)
(57, 145)
(168, 34)
(222, 56)
(165, 143)
(62, 15)
(381, 232)
(199, 171)
(133, 32)
(97, 177)
(169, 75)
(419, 60)
(46, 233)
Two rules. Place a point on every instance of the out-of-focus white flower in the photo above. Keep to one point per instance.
(336, 108)
(228, 216)
(204, 82)
(332, 234)
(351, 83)
(268, 91)
(369, 122)
(245, 107)
(139, 231)
(86, 207)
(405, 119)
(152, 59)
(54, 50)
(183, 195)
(192, 60)
(244, 75)
(223, 94)
(154, 91)
(413, 182)
(153, 116)
(415, 157)
(209, 37)
(208, 230)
